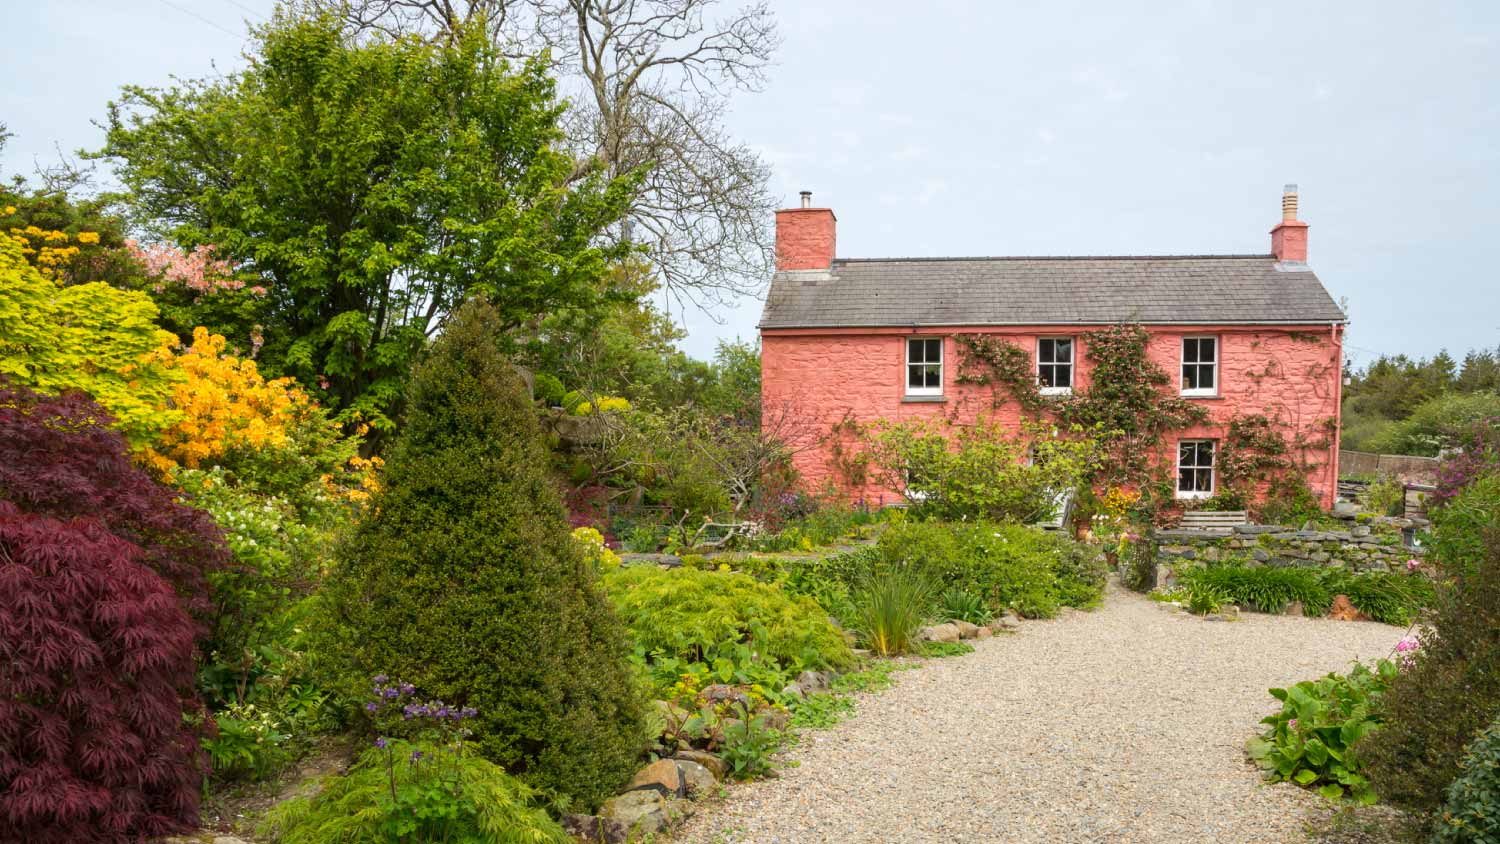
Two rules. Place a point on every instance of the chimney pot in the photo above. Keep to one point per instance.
(805, 236)
(1289, 237)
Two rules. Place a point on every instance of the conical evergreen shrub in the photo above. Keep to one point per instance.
(464, 580)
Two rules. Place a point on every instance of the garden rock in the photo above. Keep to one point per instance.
(813, 682)
(663, 776)
(724, 693)
(641, 813)
(940, 633)
(591, 829)
(792, 690)
(984, 633)
(1343, 610)
(713, 763)
(965, 629)
(696, 779)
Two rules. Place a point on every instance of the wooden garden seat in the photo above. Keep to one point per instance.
(1214, 519)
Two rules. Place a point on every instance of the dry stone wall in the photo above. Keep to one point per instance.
(1379, 546)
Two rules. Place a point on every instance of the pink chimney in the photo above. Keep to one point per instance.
(1289, 238)
(805, 236)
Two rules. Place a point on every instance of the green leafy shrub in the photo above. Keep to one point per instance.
(978, 471)
(891, 606)
(1385, 597)
(1451, 690)
(1471, 813)
(1386, 496)
(548, 390)
(1311, 741)
(958, 605)
(684, 612)
(416, 792)
(1138, 560)
(1011, 566)
(464, 580)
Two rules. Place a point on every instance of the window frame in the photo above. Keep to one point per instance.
(1072, 365)
(1212, 468)
(923, 391)
(1215, 364)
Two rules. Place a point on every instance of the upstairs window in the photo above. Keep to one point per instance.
(1200, 366)
(1195, 468)
(1054, 365)
(924, 366)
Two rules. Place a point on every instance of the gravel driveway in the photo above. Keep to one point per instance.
(1125, 724)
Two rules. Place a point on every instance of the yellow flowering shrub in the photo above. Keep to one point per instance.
(224, 404)
(604, 404)
(594, 549)
(49, 250)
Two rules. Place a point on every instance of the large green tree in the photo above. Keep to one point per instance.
(464, 580)
(372, 186)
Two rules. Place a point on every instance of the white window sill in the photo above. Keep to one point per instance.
(1193, 496)
(1200, 394)
(927, 398)
(1057, 391)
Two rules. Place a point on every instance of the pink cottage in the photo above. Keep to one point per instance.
(871, 338)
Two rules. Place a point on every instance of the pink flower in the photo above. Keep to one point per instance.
(1412, 565)
(1292, 724)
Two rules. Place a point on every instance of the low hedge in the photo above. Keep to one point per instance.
(1009, 566)
(684, 612)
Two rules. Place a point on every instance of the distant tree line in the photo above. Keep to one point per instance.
(1404, 405)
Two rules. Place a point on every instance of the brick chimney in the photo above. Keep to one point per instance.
(1289, 238)
(805, 236)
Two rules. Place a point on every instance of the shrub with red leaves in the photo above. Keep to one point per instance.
(98, 564)
(60, 458)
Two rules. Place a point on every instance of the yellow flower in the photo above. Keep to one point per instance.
(88, 237)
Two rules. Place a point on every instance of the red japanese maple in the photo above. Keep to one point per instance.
(98, 564)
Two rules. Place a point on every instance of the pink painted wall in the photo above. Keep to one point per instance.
(816, 377)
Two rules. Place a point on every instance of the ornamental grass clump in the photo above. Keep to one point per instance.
(891, 608)
(465, 581)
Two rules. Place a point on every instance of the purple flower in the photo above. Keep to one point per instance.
(380, 679)
(390, 693)
(380, 742)
(408, 689)
(371, 706)
(415, 755)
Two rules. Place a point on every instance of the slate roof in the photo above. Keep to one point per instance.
(1185, 289)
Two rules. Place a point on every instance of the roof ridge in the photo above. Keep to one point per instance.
(910, 260)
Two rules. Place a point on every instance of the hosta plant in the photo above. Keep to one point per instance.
(1311, 741)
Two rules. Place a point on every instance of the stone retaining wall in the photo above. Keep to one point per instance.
(1361, 548)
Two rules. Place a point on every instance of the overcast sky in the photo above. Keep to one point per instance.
(984, 128)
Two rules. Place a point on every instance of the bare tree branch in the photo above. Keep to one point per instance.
(648, 82)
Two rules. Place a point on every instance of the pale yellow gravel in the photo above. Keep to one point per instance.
(1124, 724)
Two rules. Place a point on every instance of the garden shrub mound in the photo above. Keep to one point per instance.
(1011, 566)
(1471, 814)
(684, 612)
(465, 581)
(1451, 691)
(96, 645)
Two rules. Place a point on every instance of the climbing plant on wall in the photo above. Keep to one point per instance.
(1127, 404)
